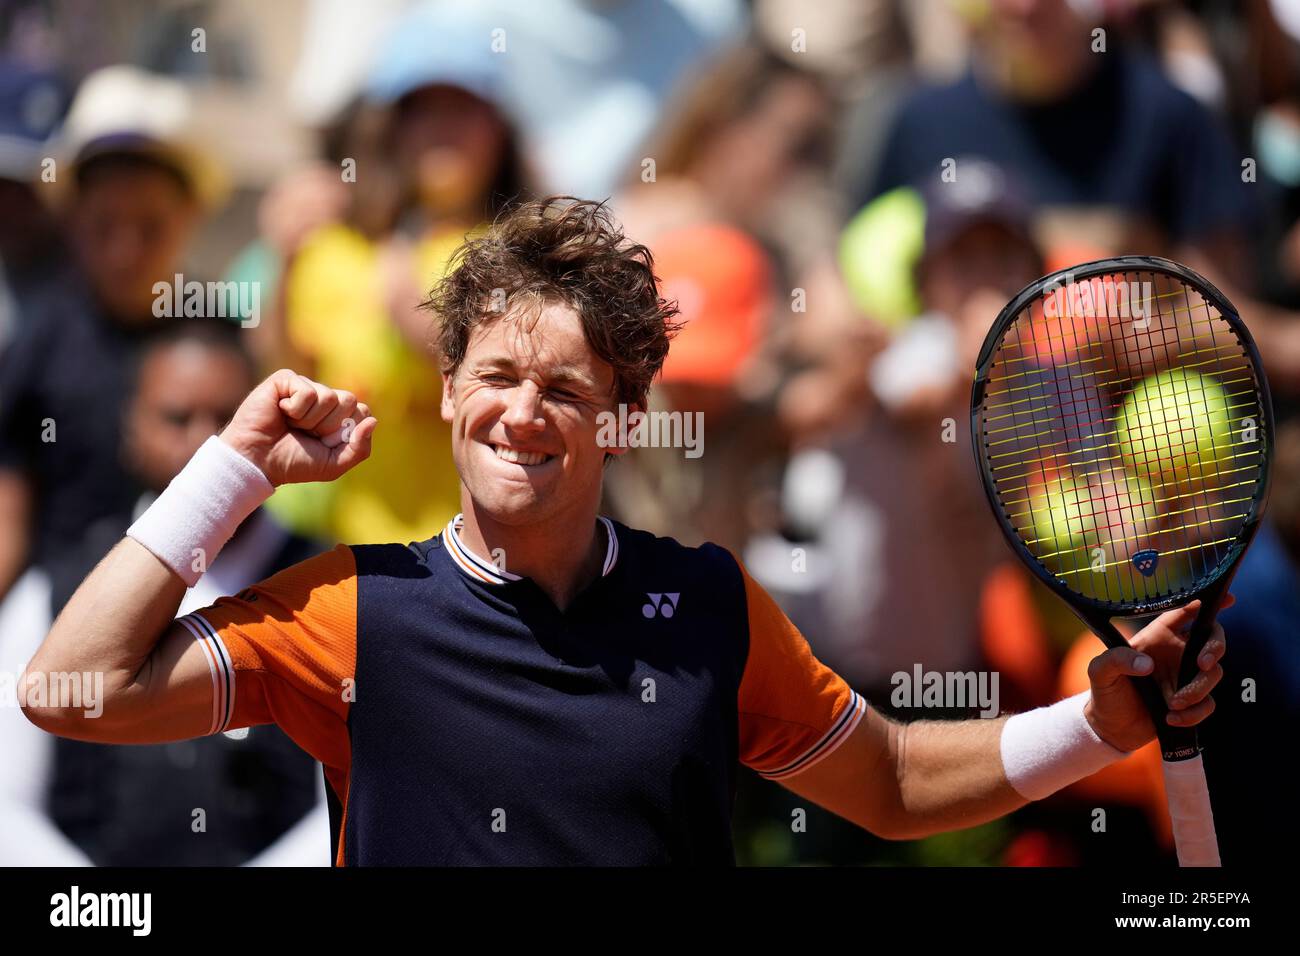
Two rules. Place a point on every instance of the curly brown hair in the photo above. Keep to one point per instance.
(561, 250)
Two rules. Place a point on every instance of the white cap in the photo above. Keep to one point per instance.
(123, 109)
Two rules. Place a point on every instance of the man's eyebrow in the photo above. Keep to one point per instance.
(571, 375)
(559, 375)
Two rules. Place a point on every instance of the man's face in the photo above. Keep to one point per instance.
(1035, 49)
(185, 394)
(523, 407)
(130, 228)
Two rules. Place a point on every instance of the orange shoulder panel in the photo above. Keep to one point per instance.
(793, 709)
(284, 651)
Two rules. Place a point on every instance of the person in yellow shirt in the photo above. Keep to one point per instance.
(436, 159)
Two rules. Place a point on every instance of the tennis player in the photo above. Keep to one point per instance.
(536, 683)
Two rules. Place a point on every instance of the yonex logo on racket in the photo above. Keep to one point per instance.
(1146, 561)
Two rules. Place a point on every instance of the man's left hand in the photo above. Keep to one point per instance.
(1118, 714)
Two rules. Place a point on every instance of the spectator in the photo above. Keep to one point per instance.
(133, 192)
(581, 73)
(575, 73)
(261, 797)
(745, 143)
(436, 157)
(895, 509)
(1108, 150)
(1114, 155)
(735, 209)
(722, 283)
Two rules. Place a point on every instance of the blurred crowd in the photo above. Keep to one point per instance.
(840, 195)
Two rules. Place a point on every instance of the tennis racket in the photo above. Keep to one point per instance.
(1123, 429)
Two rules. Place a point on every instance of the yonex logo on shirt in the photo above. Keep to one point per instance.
(665, 605)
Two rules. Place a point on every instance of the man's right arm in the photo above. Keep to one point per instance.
(119, 624)
(157, 679)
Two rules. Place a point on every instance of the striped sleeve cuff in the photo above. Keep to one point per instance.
(220, 667)
(843, 725)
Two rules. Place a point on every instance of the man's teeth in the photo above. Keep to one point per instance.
(520, 457)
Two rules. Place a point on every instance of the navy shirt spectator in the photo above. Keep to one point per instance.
(62, 385)
(1119, 139)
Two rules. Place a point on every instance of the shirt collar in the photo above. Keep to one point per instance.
(489, 573)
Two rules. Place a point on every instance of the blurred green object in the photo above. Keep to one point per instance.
(983, 845)
(774, 844)
(305, 508)
(765, 837)
(256, 263)
(771, 844)
(878, 253)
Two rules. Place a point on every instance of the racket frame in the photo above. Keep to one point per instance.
(1177, 743)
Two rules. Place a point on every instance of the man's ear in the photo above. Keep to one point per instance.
(448, 405)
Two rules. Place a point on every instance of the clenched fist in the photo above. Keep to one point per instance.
(296, 430)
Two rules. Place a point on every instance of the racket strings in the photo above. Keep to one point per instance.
(1147, 344)
(1124, 484)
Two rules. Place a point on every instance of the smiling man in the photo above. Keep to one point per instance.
(536, 684)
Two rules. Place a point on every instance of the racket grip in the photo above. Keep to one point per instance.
(1189, 809)
(1200, 632)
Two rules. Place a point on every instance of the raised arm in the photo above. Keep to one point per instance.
(905, 781)
(118, 626)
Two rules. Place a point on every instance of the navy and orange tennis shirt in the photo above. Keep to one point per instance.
(463, 719)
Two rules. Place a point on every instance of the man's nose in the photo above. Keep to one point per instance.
(123, 247)
(523, 407)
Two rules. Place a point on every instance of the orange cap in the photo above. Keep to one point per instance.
(720, 279)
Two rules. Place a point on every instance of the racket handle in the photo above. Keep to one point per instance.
(1180, 743)
(1189, 809)
(1201, 630)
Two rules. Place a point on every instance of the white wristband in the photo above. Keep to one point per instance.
(194, 518)
(1052, 747)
